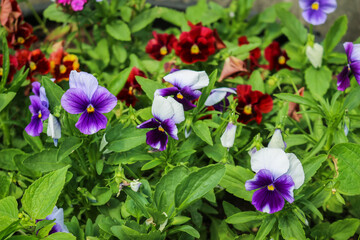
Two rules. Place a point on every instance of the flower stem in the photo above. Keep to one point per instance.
(36, 15)
(4, 126)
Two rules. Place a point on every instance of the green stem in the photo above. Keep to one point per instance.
(6, 133)
(41, 22)
(79, 35)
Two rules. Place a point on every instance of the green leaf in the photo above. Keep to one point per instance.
(187, 229)
(151, 164)
(7, 158)
(119, 81)
(5, 180)
(216, 152)
(291, 227)
(101, 53)
(18, 80)
(120, 54)
(5, 99)
(118, 30)
(5, 64)
(311, 165)
(344, 229)
(53, 92)
(265, 227)
(139, 199)
(206, 92)
(128, 139)
(351, 101)
(124, 232)
(149, 86)
(34, 142)
(318, 80)
(296, 99)
(54, 13)
(348, 162)
(179, 220)
(335, 34)
(197, 184)
(60, 236)
(202, 130)
(234, 181)
(244, 217)
(8, 212)
(44, 161)
(144, 19)
(102, 195)
(41, 196)
(256, 81)
(69, 145)
(175, 17)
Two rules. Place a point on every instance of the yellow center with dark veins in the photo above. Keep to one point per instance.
(32, 66)
(1, 71)
(90, 109)
(163, 51)
(70, 57)
(271, 187)
(179, 96)
(131, 90)
(20, 40)
(62, 69)
(315, 6)
(195, 49)
(40, 115)
(161, 129)
(248, 109)
(282, 60)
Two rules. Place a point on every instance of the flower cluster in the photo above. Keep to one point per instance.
(62, 63)
(127, 93)
(76, 5)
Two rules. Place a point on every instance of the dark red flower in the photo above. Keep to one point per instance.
(12, 70)
(21, 36)
(34, 60)
(252, 104)
(127, 94)
(277, 59)
(10, 15)
(160, 46)
(62, 63)
(255, 54)
(196, 45)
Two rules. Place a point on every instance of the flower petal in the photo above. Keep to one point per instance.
(35, 105)
(285, 186)
(355, 55)
(36, 88)
(75, 101)
(54, 127)
(190, 94)
(151, 123)
(35, 127)
(193, 79)
(314, 17)
(178, 109)
(343, 81)
(296, 171)
(157, 139)
(327, 6)
(268, 201)
(272, 159)
(355, 69)
(217, 95)
(84, 81)
(262, 179)
(277, 140)
(170, 127)
(348, 49)
(103, 101)
(58, 215)
(171, 91)
(43, 98)
(228, 137)
(90, 123)
(161, 108)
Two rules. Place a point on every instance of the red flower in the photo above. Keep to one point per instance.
(160, 45)
(34, 60)
(62, 63)
(127, 94)
(252, 104)
(277, 59)
(13, 67)
(255, 54)
(196, 45)
(23, 35)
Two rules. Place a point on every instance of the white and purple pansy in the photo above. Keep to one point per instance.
(87, 98)
(217, 96)
(54, 129)
(315, 11)
(353, 66)
(186, 85)
(58, 215)
(228, 137)
(277, 175)
(167, 113)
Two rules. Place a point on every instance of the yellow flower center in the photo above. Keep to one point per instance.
(195, 49)
(90, 109)
(271, 187)
(163, 50)
(76, 65)
(161, 129)
(62, 69)
(248, 109)
(20, 40)
(52, 65)
(1, 71)
(70, 57)
(32, 66)
(40, 115)
(315, 6)
(282, 60)
(179, 96)
(131, 90)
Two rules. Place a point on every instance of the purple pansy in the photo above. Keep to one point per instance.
(353, 66)
(315, 11)
(277, 175)
(85, 96)
(39, 109)
(186, 84)
(58, 215)
(216, 97)
(167, 113)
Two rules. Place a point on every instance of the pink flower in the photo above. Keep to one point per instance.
(78, 5)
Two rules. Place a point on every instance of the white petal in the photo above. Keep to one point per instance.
(54, 128)
(315, 54)
(162, 108)
(277, 140)
(217, 95)
(203, 81)
(296, 170)
(58, 215)
(85, 81)
(228, 137)
(355, 55)
(178, 109)
(272, 159)
(193, 79)
(135, 185)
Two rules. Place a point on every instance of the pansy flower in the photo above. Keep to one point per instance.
(57, 215)
(87, 98)
(127, 93)
(54, 129)
(276, 57)
(315, 11)
(353, 66)
(34, 60)
(21, 36)
(277, 175)
(62, 63)
(252, 104)
(185, 86)
(254, 55)
(12, 70)
(167, 113)
(228, 137)
(160, 46)
(218, 98)
(196, 45)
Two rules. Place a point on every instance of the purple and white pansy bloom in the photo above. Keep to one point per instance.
(228, 137)
(353, 66)
(87, 98)
(217, 96)
(40, 110)
(277, 175)
(167, 113)
(315, 11)
(54, 129)
(58, 215)
(186, 85)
